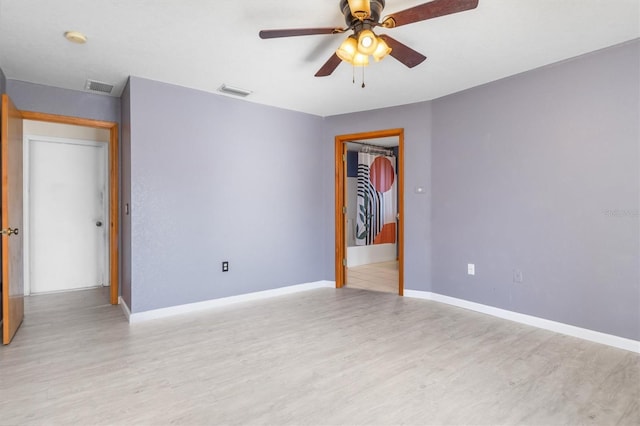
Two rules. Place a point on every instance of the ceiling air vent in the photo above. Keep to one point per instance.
(96, 86)
(235, 91)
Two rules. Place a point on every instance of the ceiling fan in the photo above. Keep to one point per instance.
(362, 16)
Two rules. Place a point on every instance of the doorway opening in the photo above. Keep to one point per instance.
(100, 146)
(66, 205)
(369, 196)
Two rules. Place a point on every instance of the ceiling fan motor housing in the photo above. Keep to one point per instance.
(374, 18)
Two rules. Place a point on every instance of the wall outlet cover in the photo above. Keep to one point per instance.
(471, 269)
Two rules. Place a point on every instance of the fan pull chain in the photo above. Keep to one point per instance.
(353, 80)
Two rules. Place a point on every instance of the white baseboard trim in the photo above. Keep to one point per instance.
(558, 327)
(125, 308)
(136, 317)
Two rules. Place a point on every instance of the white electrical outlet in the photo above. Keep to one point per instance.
(471, 269)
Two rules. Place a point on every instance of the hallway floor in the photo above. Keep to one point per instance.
(375, 277)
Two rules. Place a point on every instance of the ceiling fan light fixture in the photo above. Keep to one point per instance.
(367, 42)
(348, 49)
(360, 60)
(381, 51)
(360, 9)
(361, 16)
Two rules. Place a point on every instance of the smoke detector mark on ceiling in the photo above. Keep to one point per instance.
(75, 37)
(97, 86)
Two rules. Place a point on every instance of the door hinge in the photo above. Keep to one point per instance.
(9, 231)
(344, 262)
(344, 157)
(344, 210)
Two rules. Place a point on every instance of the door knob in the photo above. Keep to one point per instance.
(98, 224)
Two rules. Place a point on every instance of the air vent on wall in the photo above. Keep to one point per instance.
(236, 91)
(96, 86)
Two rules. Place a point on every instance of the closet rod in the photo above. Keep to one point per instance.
(370, 148)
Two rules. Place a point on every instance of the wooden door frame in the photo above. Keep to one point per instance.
(114, 188)
(341, 196)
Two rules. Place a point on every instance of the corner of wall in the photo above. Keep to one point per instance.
(195, 170)
(125, 194)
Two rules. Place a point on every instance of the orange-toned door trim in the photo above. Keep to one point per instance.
(114, 186)
(340, 200)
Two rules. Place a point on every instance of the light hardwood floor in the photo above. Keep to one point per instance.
(320, 357)
(381, 276)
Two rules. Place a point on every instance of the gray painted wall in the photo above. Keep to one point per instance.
(3, 82)
(540, 173)
(215, 178)
(53, 100)
(416, 121)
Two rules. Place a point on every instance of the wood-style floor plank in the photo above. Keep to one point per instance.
(321, 357)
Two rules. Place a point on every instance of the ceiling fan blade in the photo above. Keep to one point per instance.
(425, 11)
(329, 66)
(299, 32)
(402, 52)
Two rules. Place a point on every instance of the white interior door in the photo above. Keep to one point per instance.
(67, 212)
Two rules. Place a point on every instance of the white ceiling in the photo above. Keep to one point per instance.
(203, 44)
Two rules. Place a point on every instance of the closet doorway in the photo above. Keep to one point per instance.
(369, 210)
